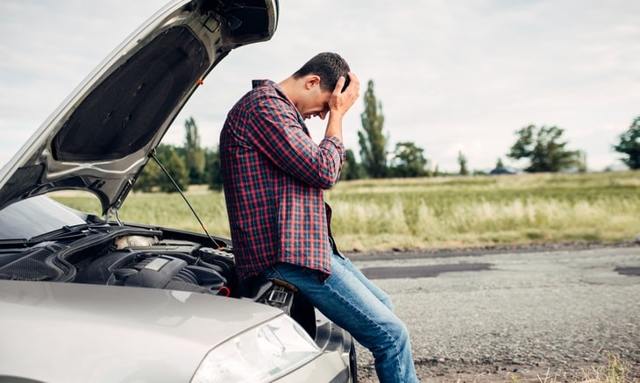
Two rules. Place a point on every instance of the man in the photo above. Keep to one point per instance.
(274, 176)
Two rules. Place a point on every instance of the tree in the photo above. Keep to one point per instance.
(373, 143)
(462, 161)
(152, 176)
(500, 168)
(629, 145)
(194, 155)
(581, 165)
(436, 171)
(213, 171)
(169, 158)
(544, 148)
(409, 160)
(149, 177)
(351, 170)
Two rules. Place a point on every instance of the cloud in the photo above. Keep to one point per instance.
(450, 75)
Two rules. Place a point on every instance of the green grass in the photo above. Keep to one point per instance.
(438, 212)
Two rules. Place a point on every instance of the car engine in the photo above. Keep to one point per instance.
(131, 261)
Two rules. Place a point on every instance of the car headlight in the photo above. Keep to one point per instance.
(262, 354)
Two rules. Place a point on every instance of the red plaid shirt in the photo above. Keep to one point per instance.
(274, 176)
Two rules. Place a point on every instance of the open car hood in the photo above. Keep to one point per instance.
(100, 138)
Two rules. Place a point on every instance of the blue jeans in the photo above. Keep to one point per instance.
(354, 303)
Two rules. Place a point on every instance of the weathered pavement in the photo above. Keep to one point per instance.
(492, 316)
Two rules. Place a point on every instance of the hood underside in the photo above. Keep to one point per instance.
(100, 138)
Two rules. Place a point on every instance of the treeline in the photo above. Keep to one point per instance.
(189, 164)
(407, 159)
(543, 148)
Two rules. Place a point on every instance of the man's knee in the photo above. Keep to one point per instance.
(399, 332)
(395, 336)
(386, 300)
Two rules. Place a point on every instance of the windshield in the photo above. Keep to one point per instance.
(36, 216)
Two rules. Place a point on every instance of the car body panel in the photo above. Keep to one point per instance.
(100, 137)
(328, 367)
(63, 332)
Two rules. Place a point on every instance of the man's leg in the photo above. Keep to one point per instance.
(381, 295)
(345, 300)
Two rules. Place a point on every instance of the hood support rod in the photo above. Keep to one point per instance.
(166, 172)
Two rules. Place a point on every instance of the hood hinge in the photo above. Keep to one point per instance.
(112, 212)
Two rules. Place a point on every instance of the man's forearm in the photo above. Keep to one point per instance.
(339, 103)
(334, 126)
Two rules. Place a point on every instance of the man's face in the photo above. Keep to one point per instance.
(314, 101)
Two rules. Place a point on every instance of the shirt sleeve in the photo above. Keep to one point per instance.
(276, 132)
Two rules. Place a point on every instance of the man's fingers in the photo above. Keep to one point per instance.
(342, 101)
(354, 83)
(339, 85)
(354, 79)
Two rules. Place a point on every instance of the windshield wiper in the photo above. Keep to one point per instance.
(64, 233)
(13, 242)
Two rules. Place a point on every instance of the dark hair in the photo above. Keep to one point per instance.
(329, 67)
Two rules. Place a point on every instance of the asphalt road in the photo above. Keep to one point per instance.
(500, 317)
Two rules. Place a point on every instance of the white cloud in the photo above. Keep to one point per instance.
(451, 75)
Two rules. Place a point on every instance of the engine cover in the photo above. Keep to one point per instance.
(144, 269)
(155, 272)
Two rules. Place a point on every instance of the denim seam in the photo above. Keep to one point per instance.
(386, 296)
(366, 317)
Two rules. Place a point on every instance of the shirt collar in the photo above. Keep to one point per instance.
(259, 83)
(274, 85)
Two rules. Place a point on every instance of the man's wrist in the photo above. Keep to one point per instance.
(335, 113)
(334, 125)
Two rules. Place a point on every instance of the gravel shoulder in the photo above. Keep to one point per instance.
(525, 315)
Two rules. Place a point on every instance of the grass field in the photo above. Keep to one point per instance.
(437, 212)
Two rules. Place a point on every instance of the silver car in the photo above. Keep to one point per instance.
(91, 299)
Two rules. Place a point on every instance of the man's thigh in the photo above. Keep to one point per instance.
(345, 300)
(377, 291)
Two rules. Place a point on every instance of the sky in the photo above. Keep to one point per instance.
(451, 76)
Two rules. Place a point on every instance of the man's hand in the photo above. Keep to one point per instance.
(340, 101)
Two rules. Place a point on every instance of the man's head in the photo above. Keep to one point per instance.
(310, 87)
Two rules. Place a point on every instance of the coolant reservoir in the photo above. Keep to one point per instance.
(134, 241)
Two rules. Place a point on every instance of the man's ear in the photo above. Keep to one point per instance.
(311, 81)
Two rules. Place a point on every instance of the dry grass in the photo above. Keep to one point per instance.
(616, 371)
(438, 212)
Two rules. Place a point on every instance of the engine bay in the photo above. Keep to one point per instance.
(150, 258)
(127, 260)
(175, 265)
